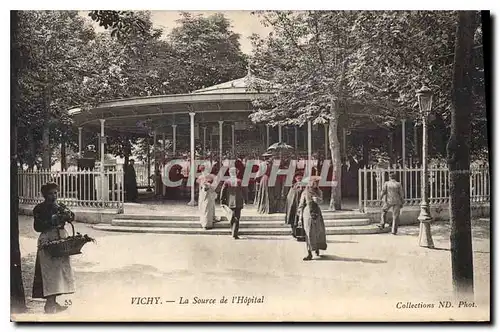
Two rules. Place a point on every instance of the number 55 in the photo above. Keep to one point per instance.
(67, 302)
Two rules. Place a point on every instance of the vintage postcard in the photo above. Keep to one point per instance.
(250, 166)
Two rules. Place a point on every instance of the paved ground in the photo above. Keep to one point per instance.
(359, 277)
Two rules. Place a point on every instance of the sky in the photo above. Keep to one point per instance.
(242, 22)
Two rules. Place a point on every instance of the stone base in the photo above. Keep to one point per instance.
(94, 216)
(409, 214)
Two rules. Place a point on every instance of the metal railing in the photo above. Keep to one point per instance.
(370, 181)
(141, 174)
(77, 188)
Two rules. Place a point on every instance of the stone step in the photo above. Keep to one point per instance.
(349, 230)
(225, 224)
(327, 215)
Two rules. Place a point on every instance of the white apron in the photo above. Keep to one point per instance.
(56, 272)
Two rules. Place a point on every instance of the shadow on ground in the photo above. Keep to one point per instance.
(349, 259)
(480, 229)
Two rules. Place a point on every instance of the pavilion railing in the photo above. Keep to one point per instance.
(77, 188)
(370, 181)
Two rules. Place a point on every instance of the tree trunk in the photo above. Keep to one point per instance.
(459, 159)
(336, 195)
(32, 154)
(127, 150)
(390, 148)
(46, 146)
(64, 163)
(17, 296)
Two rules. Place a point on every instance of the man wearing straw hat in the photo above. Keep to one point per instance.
(392, 197)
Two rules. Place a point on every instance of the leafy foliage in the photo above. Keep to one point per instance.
(66, 64)
(121, 23)
(371, 62)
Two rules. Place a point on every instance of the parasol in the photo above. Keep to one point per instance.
(280, 146)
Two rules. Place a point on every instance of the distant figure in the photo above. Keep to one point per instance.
(130, 182)
(312, 218)
(392, 197)
(206, 200)
(292, 204)
(233, 197)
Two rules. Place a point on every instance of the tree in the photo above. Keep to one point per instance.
(52, 49)
(17, 297)
(207, 52)
(459, 155)
(388, 67)
(305, 59)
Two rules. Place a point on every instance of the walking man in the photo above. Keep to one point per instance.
(392, 197)
(233, 196)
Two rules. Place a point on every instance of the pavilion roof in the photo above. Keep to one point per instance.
(240, 85)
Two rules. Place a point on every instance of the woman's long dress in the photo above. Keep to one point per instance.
(206, 201)
(263, 197)
(53, 275)
(312, 218)
(291, 208)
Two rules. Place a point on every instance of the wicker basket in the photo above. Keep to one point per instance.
(71, 245)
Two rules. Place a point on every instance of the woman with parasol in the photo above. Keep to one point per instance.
(312, 218)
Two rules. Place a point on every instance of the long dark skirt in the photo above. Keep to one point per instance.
(314, 227)
(262, 200)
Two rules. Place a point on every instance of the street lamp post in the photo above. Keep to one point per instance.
(424, 96)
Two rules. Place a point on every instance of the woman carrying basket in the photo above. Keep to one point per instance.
(53, 275)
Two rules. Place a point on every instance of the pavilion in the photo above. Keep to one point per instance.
(220, 111)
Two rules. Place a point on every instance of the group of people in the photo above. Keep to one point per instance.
(54, 275)
(303, 210)
(233, 197)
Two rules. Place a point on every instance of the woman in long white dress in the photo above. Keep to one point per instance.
(206, 200)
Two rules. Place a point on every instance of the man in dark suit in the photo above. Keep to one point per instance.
(234, 196)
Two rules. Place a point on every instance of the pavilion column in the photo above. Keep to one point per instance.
(163, 142)
(279, 134)
(103, 180)
(174, 139)
(403, 143)
(267, 135)
(101, 141)
(309, 148)
(149, 166)
(204, 141)
(192, 202)
(154, 150)
(326, 140)
(232, 140)
(220, 143)
(80, 141)
(296, 138)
